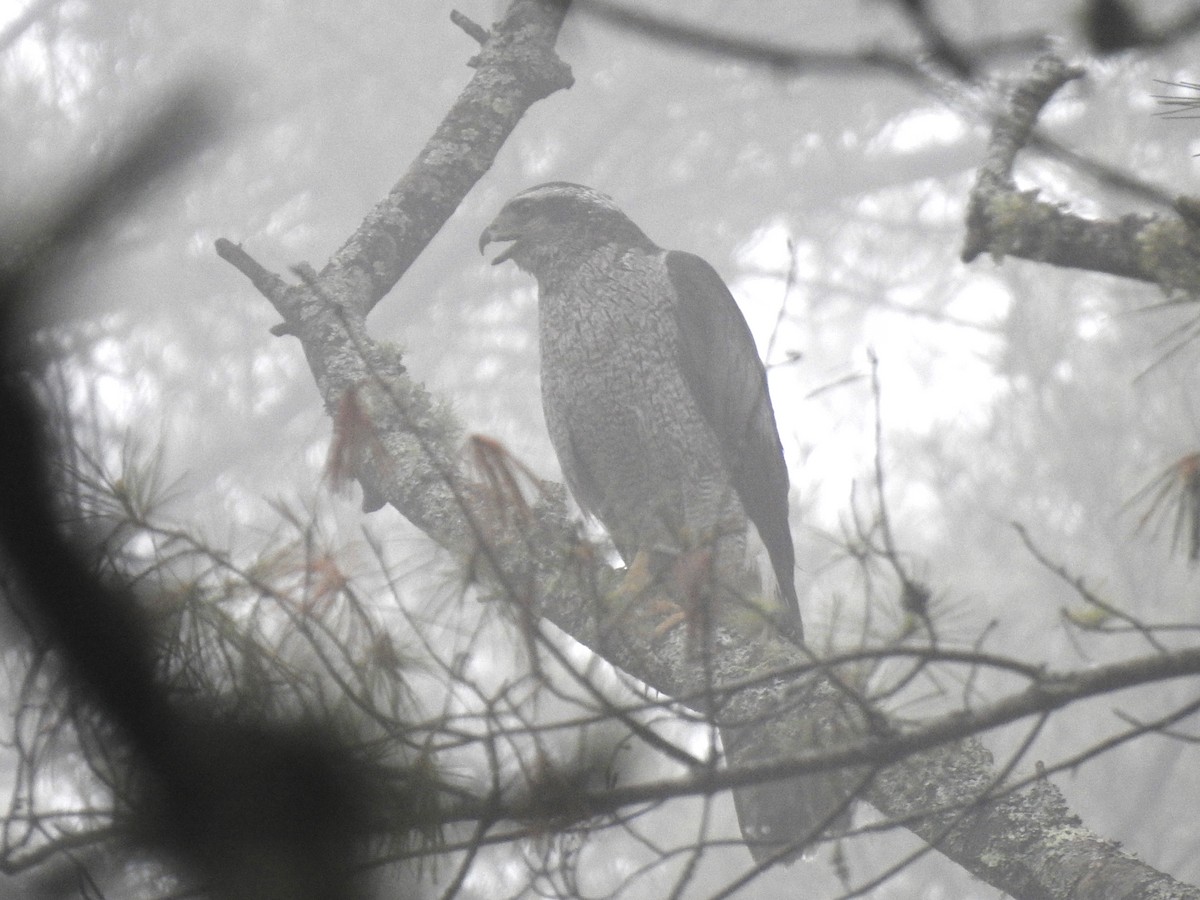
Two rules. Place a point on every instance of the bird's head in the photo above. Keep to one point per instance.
(555, 221)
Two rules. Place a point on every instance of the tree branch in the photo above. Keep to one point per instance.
(516, 63)
(806, 60)
(1004, 221)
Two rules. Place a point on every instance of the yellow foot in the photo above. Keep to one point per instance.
(674, 615)
(639, 577)
(644, 591)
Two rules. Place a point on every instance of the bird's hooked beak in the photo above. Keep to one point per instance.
(500, 230)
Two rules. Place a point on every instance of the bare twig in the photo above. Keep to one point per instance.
(1085, 593)
(17, 27)
(470, 26)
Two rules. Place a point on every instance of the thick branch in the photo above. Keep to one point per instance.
(1004, 221)
(409, 456)
(1027, 843)
(515, 68)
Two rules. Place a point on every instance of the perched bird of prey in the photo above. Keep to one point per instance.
(658, 409)
(656, 400)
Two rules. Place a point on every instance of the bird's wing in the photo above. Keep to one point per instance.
(575, 469)
(721, 367)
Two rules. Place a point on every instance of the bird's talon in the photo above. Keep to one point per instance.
(675, 616)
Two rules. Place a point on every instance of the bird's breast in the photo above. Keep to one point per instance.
(623, 421)
(607, 334)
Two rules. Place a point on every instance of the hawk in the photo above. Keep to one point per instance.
(655, 398)
(658, 409)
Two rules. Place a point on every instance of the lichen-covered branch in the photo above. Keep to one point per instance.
(1028, 843)
(514, 69)
(1004, 221)
(407, 451)
(937, 780)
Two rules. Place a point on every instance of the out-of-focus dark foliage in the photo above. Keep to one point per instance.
(252, 806)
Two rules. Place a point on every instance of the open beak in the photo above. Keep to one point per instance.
(497, 233)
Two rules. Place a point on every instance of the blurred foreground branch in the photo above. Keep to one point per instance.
(253, 809)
